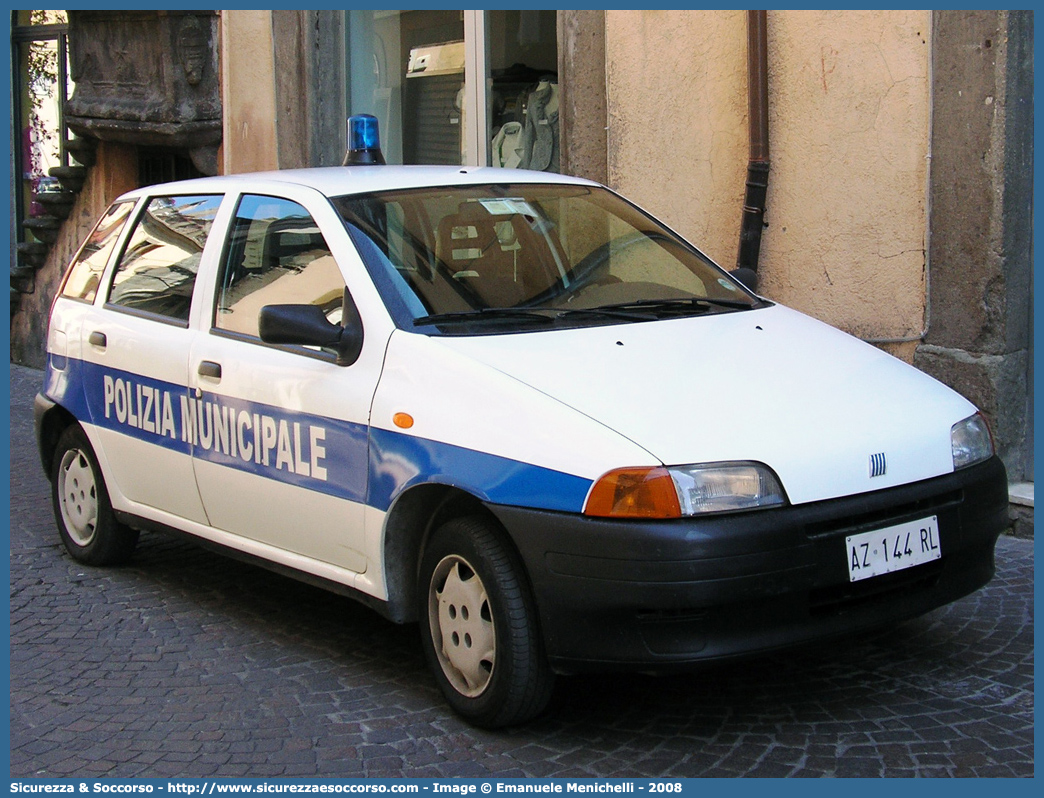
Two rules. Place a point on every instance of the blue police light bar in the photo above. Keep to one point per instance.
(364, 141)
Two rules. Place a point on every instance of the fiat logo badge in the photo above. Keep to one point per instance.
(877, 465)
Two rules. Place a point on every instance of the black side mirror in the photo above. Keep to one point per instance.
(307, 325)
(747, 276)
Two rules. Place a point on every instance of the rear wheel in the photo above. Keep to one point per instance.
(478, 625)
(86, 522)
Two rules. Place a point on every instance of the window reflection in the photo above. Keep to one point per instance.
(276, 254)
(158, 268)
(85, 274)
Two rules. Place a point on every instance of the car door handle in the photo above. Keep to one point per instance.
(97, 339)
(208, 368)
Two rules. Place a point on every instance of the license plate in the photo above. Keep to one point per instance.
(893, 548)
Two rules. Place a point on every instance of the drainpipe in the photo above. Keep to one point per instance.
(758, 167)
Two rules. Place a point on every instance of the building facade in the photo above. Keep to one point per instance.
(899, 197)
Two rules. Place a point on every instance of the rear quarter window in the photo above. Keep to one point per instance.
(85, 273)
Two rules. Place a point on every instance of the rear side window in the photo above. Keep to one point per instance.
(157, 270)
(275, 255)
(86, 271)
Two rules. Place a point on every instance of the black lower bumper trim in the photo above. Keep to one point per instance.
(661, 594)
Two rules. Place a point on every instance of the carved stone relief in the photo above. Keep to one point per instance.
(148, 78)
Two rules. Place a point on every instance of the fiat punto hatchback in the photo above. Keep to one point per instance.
(507, 405)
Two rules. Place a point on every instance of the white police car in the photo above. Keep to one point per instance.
(510, 406)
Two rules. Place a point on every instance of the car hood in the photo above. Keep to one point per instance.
(769, 385)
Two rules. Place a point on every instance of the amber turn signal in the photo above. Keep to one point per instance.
(403, 420)
(634, 493)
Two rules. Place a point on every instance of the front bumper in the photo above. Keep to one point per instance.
(659, 594)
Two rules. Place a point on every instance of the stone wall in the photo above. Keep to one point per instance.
(582, 107)
(979, 340)
(248, 83)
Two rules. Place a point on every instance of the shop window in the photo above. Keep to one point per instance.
(417, 70)
(523, 101)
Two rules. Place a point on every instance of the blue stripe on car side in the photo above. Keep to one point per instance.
(399, 461)
(328, 455)
(63, 383)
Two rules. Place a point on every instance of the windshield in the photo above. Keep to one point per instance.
(503, 258)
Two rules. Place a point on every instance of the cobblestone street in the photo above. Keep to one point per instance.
(188, 664)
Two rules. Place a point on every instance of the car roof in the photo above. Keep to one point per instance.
(334, 181)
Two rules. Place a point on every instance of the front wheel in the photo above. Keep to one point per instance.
(478, 626)
(86, 522)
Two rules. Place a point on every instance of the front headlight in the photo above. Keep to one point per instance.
(719, 487)
(681, 491)
(970, 441)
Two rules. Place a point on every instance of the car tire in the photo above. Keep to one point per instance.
(86, 522)
(479, 627)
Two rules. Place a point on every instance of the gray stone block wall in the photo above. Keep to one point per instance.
(979, 339)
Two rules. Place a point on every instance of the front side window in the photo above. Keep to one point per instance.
(157, 270)
(275, 255)
(86, 271)
(511, 257)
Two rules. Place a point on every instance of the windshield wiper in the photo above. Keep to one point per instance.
(613, 311)
(651, 308)
(482, 314)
